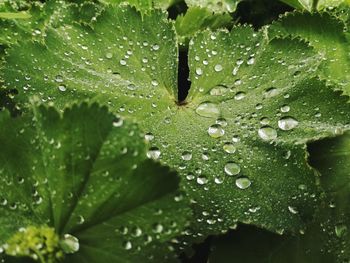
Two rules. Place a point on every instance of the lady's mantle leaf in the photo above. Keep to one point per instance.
(86, 174)
(328, 237)
(238, 140)
(330, 39)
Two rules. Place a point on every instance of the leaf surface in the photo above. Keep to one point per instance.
(330, 39)
(86, 174)
(238, 140)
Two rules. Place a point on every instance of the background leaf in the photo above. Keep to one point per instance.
(86, 173)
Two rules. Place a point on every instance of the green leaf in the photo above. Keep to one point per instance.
(331, 40)
(300, 4)
(238, 140)
(51, 13)
(216, 6)
(196, 19)
(19, 15)
(85, 173)
(326, 240)
(311, 5)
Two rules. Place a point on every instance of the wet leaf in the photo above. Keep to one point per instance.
(85, 174)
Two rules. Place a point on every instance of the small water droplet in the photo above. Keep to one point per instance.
(293, 210)
(229, 148)
(62, 88)
(232, 168)
(153, 153)
(69, 244)
(218, 68)
(208, 109)
(59, 78)
(216, 131)
(109, 55)
(271, 92)
(199, 71)
(118, 122)
(202, 180)
(149, 136)
(239, 96)
(243, 182)
(218, 90)
(186, 156)
(127, 245)
(287, 123)
(267, 133)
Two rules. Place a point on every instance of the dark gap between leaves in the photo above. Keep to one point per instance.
(184, 83)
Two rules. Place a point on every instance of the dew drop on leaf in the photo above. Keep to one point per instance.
(208, 109)
(243, 182)
(232, 168)
(218, 68)
(287, 123)
(218, 90)
(69, 244)
(216, 131)
(229, 148)
(186, 156)
(267, 133)
(153, 153)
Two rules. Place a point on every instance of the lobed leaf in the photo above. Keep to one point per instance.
(85, 173)
(239, 139)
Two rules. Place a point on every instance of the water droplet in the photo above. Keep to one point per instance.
(62, 87)
(271, 92)
(202, 180)
(122, 62)
(239, 96)
(153, 153)
(218, 68)
(285, 108)
(293, 210)
(208, 109)
(127, 245)
(232, 168)
(251, 61)
(158, 228)
(243, 182)
(155, 47)
(267, 133)
(59, 78)
(69, 244)
(287, 123)
(218, 90)
(199, 71)
(149, 136)
(118, 122)
(222, 122)
(216, 131)
(186, 156)
(109, 55)
(131, 87)
(229, 148)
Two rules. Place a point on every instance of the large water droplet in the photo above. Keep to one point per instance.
(202, 180)
(216, 131)
(267, 133)
(69, 244)
(243, 182)
(218, 90)
(287, 123)
(208, 109)
(232, 168)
